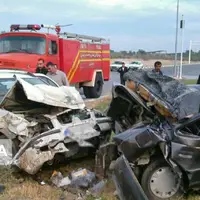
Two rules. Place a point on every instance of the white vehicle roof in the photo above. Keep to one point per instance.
(137, 61)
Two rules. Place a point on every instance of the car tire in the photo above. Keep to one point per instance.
(154, 175)
(96, 91)
(86, 92)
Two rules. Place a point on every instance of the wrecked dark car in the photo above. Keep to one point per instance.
(157, 125)
(41, 122)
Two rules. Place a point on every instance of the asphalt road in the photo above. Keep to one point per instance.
(191, 71)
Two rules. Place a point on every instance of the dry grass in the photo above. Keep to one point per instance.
(31, 190)
(190, 81)
(99, 104)
(20, 186)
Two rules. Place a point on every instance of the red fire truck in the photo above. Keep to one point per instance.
(84, 59)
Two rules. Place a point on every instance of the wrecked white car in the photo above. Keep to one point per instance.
(41, 121)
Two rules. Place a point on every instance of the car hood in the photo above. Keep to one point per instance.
(167, 96)
(23, 95)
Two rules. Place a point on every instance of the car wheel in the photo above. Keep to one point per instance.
(96, 91)
(159, 182)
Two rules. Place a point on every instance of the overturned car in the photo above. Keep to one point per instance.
(157, 125)
(41, 122)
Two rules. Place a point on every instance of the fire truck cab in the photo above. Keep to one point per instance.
(84, 59)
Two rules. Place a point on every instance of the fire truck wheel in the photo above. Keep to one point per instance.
(94, 92)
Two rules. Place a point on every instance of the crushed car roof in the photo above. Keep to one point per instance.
(169, 97)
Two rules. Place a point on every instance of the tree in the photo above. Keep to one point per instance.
(141, 52)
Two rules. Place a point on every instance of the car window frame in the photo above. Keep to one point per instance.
(48, 81)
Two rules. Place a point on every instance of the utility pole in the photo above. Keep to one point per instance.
(190, 50)
(176, 40)
(182, 26)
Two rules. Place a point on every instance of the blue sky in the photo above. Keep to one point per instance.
(129, 24)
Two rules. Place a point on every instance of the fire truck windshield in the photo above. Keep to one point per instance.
(22, 43)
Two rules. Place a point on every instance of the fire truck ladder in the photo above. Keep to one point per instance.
(81, 37)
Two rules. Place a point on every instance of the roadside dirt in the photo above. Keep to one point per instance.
(100, 103)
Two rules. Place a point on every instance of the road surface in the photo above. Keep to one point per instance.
(191, 71)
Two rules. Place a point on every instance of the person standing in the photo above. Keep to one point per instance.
(122, 70)
(58, 76)
(40, 67)
(157, 68)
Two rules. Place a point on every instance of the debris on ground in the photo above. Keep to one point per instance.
(81, 182)
(42, 183)
(58, 180)
(97, 188)
(81, 178)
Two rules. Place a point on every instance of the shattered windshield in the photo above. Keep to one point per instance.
(22, 43)
(7, 83)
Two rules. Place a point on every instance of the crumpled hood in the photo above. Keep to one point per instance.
(23, 94)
